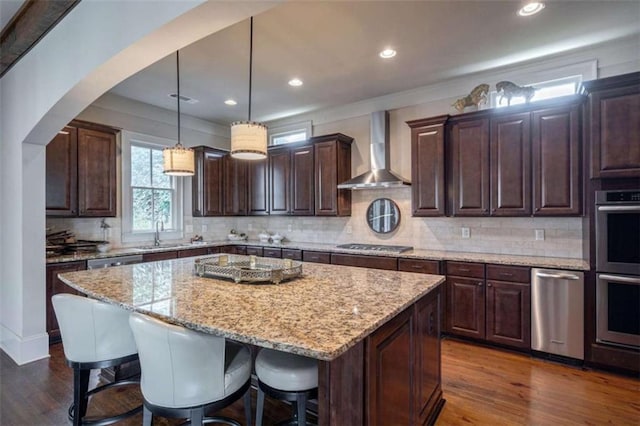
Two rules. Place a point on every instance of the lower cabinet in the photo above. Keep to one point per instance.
(254, 251)
(316, 256)
(495, 308)
(403, 372)
(375, 262)
(163, 255)
(56, 286)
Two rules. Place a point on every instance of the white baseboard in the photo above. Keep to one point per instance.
(24, 350)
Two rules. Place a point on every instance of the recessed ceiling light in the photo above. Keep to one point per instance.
(295, 82)
(230, 102)
(531, 8)
(387, 53)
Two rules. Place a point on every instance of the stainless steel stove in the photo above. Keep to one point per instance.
(375, 247)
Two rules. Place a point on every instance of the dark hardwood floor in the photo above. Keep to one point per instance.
(482, 386)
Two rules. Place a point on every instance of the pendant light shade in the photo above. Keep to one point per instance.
(178, 160)
(248, 138)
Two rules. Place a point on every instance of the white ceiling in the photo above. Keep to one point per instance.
(333, 47)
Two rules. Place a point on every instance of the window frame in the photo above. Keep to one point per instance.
(576, 80)
(290, 129)
(174, 231)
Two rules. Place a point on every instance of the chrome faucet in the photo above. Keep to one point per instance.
(156, 240)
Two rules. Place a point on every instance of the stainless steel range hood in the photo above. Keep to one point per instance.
(379, 176)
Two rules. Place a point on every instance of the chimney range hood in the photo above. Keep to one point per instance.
(379, 176)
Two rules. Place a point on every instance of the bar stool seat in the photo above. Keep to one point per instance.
(94, 335)
(288, 377)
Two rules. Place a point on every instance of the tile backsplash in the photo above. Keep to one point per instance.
(562, 236)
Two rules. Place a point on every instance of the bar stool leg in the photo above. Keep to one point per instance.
(259, 407)
(80, 388)
(147, 417)
(197, 416)
(247, 407)
(301, 402)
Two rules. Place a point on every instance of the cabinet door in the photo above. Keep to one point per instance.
(510, 164)
(258, 187)
(390, 372)
(302, 185)
(200, 251)
(427, 168)
(509, 314)
(279, 182)
(163, 255)
(615, 132)
(96, 173)
(332, 165)
(62, 174)
(56, 286)
(207, 184)
(428, 374)
(470, 168)
(235, 187)
(466, 305)
(556, 161)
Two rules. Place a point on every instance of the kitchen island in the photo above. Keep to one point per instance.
(376, 333)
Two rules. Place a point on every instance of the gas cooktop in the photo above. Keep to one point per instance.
(375, 247)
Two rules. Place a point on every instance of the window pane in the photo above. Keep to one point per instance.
(289, 138)
(162, 206)
(142, 206)
(160, 180)
(140, 166)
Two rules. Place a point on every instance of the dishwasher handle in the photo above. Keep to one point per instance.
(557, 276)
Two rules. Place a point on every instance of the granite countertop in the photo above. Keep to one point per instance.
(321, 314)
(503, 259)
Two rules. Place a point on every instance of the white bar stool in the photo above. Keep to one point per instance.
(94, 335)
(186, 374)
(287, 377)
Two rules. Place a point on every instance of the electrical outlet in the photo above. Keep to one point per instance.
(204, 228)
(539, 234)
(188, 229)
(289, 227)
(466, 233)
(250, 227)
(348, 229)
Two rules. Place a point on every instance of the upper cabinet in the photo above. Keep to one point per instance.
(258, 187)
(81, 171)
(332, 166)
(427, 166)
(234, 184)
(207, 182)
(613, 117)
(291, 181)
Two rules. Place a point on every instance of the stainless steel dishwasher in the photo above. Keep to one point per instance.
(557, 312)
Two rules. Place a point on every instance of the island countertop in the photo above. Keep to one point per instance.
(322, 314)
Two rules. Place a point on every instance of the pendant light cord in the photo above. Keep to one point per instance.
(178, 94)
(250, 65)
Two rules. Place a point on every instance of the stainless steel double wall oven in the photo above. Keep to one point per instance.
(618, 267)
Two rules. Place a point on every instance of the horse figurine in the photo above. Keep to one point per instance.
(511, 90)
(477, 96)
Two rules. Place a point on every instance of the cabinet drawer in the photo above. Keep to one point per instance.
(254, 251)
(272, 252)
(293, 254)
(463, 269)
(165, 255)
(316, 256)
(213, 250)
(376, 262)
(200, 251)
(419, 265)
(516, 274)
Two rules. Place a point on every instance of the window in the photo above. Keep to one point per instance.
(544, 90)
(291, 133)
(149, 197)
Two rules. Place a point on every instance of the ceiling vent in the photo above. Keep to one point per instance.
(184, 99)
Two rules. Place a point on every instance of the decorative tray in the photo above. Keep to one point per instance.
(249, 269)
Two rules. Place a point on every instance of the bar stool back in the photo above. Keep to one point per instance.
(186, 373)
(94, 335)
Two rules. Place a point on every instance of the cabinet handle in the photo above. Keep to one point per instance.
(506, 274)
(464, 270)
(417, 267)
(479, 284)
(489, 285)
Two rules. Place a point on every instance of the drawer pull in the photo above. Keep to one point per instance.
(506, 274)
(464, 270)
(417, 266)
(479, 284)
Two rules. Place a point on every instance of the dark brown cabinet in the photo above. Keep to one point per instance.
(200, 251)
(469, 158)
(510, 165)
(427, 166)
(374, 262)
(163, 255)
(293, 254)
(234, 186)
(613, 113)
(332, 165)
(496, 309)
(291, 181)
(258, 187)
(556, 160)
(419, 265)
(207, 183)
(272, 252)
(280, 181)
(81, 172)
(253, 251)
(316, 256)
(403, 368)
(56, 286)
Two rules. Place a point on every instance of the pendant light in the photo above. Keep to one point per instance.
(178, 161)
(248, 138)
